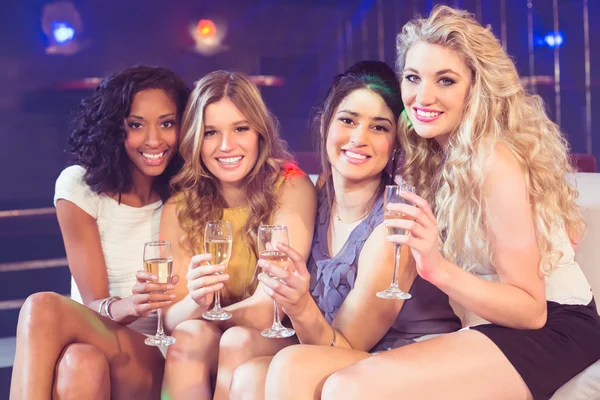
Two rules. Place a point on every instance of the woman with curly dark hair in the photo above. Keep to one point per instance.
(125, 142)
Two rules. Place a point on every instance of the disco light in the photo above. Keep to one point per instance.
(61, 23)
(62, 32)
(208, 36)
(554, 39)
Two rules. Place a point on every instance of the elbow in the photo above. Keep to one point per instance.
(538, 319)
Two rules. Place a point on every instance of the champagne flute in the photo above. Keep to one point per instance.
(218, 238)
(392, 196)
(158, 260)
(268, 235)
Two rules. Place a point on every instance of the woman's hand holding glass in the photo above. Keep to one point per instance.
(392, 195)
(218, 239)
(204, 279)
(158, 261)
(288, 288)
(268, 236)
(149, 295)
(423, 239)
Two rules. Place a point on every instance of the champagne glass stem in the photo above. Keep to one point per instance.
(159, 328)
(397, 251)
(276, 319)
(217, 300)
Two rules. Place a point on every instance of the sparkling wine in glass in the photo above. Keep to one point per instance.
(158, 260)
(268, 235)
(218, 238)
(391, 196)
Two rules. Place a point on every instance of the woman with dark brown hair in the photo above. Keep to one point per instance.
(332, 301)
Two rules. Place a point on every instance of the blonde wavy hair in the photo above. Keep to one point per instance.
(497, 110)
(198, 191)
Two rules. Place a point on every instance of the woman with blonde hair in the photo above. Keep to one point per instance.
(236, 169)
(494, 226)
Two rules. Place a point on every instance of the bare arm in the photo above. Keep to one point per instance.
(184, 307)
(297, 210)
(363, 319)
(88, 267)
(519, 299)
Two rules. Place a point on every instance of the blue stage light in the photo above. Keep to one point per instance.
(554, 39)
(62, 32)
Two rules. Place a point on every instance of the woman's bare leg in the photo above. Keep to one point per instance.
(248, 381)
(49, 322)
(299, 372)
(82, 373)
(192, 360)
(463, 365)
(238, 345)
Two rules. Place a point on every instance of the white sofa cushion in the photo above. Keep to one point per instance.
(586, 385)
(588, 252)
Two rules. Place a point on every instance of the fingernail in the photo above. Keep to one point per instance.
(171, 296)
(169, 286)
(154, 277)
(225, 276)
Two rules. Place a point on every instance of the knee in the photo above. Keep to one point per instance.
(339, 386)
(282, 368)
(194, 339)
(235, 342)
(84, 365)
(289, 356)
(248, 381)
(40, 308)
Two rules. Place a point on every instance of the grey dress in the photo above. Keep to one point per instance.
(427, 312)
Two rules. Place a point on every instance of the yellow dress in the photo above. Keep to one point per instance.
(242, 264)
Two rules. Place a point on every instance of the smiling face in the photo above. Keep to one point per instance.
(152, 132)
(361, 136)
(435, 85)
(230, 145)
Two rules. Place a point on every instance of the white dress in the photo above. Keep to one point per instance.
(123, 231)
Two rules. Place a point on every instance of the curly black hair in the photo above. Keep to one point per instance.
(98, 133)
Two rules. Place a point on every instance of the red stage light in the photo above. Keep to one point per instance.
(206, 28)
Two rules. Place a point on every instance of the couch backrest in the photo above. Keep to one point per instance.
(588, 252)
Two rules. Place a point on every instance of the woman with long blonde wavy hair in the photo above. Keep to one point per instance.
(493, 224)
(237, 169)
